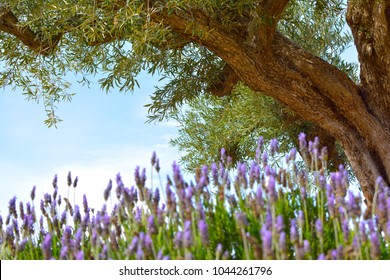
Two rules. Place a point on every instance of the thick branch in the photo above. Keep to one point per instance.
(10, 24)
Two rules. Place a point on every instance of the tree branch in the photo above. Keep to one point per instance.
(10, 24)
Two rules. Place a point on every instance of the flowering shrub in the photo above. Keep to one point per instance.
(255, 212)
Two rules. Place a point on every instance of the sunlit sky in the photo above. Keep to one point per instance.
(101, 135)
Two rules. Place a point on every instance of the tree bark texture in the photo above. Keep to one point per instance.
(357, 115)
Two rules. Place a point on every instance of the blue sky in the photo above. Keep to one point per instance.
(101, 135)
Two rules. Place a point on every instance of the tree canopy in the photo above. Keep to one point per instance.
(208, 47)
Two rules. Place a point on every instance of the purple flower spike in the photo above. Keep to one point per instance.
(321, 257)
(306, 246)
(273, 195)
(55, 181)
(282, 242)
(293, 232)
(345, 229)
(75, 182)
(80, 255)
(293, 153)
(203, 230)
(264, 158)
(266, 237)
(12, 207)
(178, 241)
(302, 141)
(279, 224)
(140, 253)
(152, 225)
(157, 165)
(214, 172)
(77, 215)
(85, 204)
(187, 238)
(64, 253)
(219, 250)
(46, 247)
(259, 197)
(153, 159)
(375, 246)
(177, 177)
(107, 191)
(274, 147)
(223, 155)
(32, 194)
(68, 179)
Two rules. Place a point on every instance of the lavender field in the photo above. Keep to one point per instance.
(264, 210)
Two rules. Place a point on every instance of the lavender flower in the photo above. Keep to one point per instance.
(64, 252)
(264, 158)
(119, 185)
(266, 238)
(148, 243)
(85, 204)
(152, 225)
(282, 242)
(187, 238)
(133, 245)
(293, 232)
(158, 165)
(203, 230)
(319, 228)
(306, 246)
(293, 153)
(153, 159)
(321, 257)
(32, 194)
(345, 229)
(177, 177)
(274, 146)
(218, 250)
(46, 247)
(107, 191)
(302, 141)
(75, 182)
(214, 173)
(375, 251)
(12, 207)
(69, 179)
(223, 155)
(279, 224)
(80, 255)
(178, 240)
(273, 195)
(268, 218)
(54, 183)
(77, 215)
